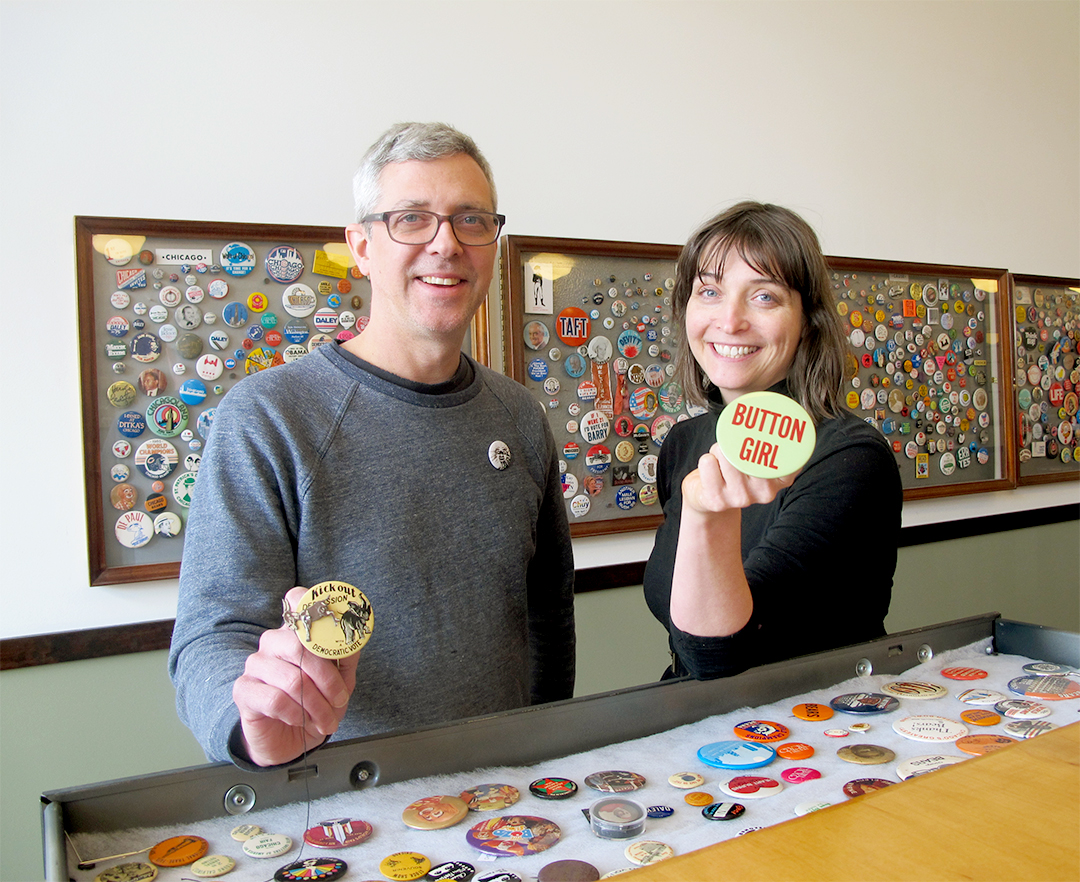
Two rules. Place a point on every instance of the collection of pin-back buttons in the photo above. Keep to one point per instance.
(920, 368)
(611, 336)
(162, 319)
(615, 816)
(1046, 328)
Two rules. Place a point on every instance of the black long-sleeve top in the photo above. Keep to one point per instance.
(819, 558)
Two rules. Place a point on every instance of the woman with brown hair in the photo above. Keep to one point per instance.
(749, 570)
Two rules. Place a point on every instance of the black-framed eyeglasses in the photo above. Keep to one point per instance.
(414, 227)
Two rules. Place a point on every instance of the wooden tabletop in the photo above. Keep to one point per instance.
(1013, 814)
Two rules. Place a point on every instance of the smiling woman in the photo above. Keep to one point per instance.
(739, 570)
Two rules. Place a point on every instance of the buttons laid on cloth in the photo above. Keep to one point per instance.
(553, 788)
(926, 727)
(864, 703)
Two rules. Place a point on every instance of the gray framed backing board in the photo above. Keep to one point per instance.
(587, 330)
(1046, 377)
(174, 314)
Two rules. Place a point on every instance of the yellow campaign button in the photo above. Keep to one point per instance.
(698, 797)
(333, 619)
(404, 866)
(766, 435)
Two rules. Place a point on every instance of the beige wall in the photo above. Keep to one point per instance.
(937, 132)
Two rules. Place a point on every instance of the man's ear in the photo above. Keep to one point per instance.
(356, 237)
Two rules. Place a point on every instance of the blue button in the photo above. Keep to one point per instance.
(736, 755)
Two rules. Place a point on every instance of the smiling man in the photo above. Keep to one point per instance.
(397, 464)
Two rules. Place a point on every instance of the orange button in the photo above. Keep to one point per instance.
(178, 851)
(812, 711)
(795, 750)
(980, 717)
(699, 797)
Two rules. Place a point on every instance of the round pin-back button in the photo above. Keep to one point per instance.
(976, 716)
(498, 876)
(435, 812)
(981, 696)
(338, 833)
(284, 264)
(864, 703)
(615, 781)
(698, 797)
(836, 733)
(569, 870)
(799, 774)
(244, 832)
(983, 743)
(794, 750)
(499, 455)
(314, 869)
(518, 835)
(736, 755)
(920, 765)
(405, 866)
(752, 787)
(761, 731)
(805, 808)
(456, 871)
(914, 689)
(1028, 728)
(237, 259)
(1048, 669)
(659, 811)
(178, 851)
(213, 865)
(1022, 709)
(961, 673)
(862, 786)
(925, 727)
(133, 529)
(812, 712)
(686, 780)
(766, 435)
(135, 871)
(648, 851)
(490, 797)
(267, 845)
(333, 619)
(865, 754)
(1046, 688)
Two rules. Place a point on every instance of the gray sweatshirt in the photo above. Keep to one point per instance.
(329, 469)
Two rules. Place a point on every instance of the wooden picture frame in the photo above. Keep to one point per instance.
(156, 297)
(1045, 324)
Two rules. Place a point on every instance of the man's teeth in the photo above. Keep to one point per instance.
(438, 280)
(733, 351)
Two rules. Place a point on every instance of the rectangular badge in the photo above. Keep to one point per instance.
(539, 296)
(334, 265)
(176, 256)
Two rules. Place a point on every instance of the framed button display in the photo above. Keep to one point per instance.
(596, 315)
(173, 314)
(1045, 318)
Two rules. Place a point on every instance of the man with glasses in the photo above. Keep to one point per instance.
(397, 464)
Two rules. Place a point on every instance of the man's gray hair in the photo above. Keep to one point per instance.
(408, 141)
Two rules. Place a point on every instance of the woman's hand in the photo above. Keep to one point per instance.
(716, 486)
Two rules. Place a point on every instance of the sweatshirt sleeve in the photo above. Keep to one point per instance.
(238, 563)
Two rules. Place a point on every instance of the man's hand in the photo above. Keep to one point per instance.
(290, 700)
